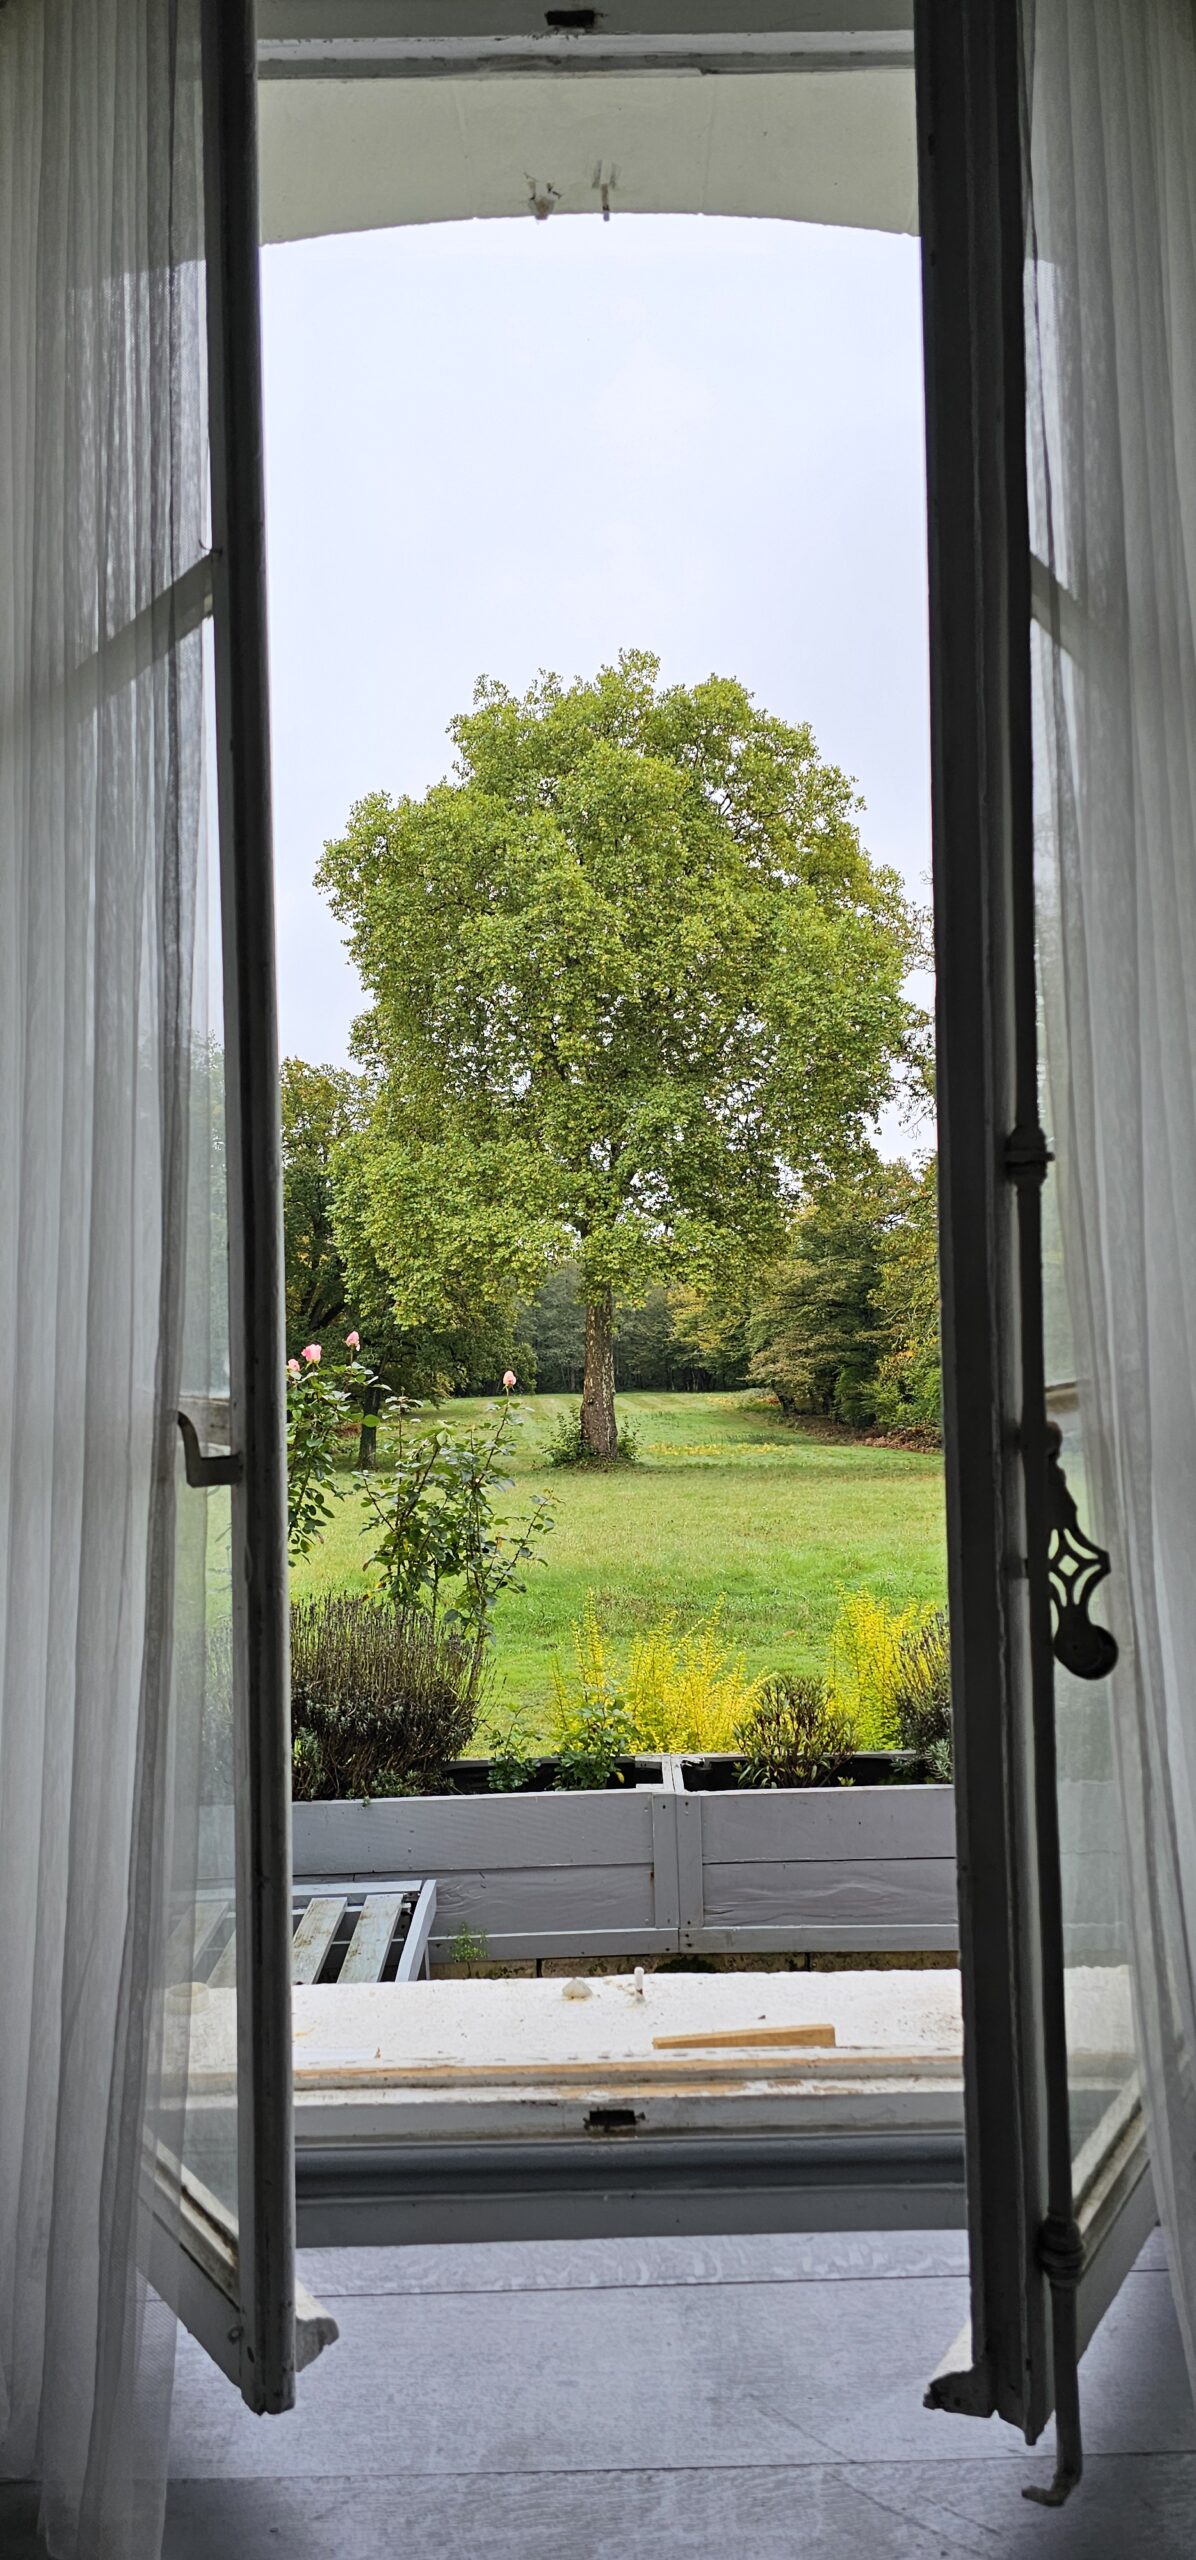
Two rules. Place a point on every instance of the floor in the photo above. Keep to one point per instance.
(753, 2399)
(750, 2399)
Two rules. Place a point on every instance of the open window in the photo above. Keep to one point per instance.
(223, 2224)
(1058, 2188)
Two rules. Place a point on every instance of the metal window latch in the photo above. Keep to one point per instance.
(1075, 1568)
(202, 1471)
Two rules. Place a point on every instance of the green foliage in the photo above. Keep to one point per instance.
(922, 1694)
(878, 1669)
(513, 1753)
(795, 1735)
(320, 1409)
(469, 1947)
(686, 1690)
(678, 1336)
(646, 1345)
(847, 1322)
(565, 1447)
(442, 1547)
(591, 1726)
(591, 1741)
(381, 1699)
(630, 973)
(682, 1689)
(909, 1373)
(465, 1341)
(320, 1106)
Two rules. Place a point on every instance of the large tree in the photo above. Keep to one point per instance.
(633, 980)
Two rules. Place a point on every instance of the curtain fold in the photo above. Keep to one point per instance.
(1111, 314)
(102, 498)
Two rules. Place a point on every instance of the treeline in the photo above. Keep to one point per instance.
(842, 1322)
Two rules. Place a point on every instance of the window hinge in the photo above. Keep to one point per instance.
(1027, 1155)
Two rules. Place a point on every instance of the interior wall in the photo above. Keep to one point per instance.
(367, 154)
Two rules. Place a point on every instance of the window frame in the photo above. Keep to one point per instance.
(1041, 2270)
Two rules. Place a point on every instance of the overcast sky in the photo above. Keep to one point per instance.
(500, 446)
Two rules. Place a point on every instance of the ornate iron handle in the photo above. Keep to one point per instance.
(1075, 1567)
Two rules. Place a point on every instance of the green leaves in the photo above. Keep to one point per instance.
(633, 979)
(442, 1546)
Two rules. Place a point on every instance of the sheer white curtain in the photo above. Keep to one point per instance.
(101, 496)
(1111, 96)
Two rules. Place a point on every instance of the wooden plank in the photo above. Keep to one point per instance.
(547, 1902)
(315, 1934)
(889, 1892)
(369, 1945)
(691, 1820)
(432, 1835)
(665, 1884)
(769, 2036)
(741, 1827)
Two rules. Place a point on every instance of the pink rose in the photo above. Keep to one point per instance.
(508, 1379)
(312, 1352)
(293, 1368)
(352, 1342)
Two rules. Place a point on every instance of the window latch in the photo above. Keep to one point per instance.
(224, 1467)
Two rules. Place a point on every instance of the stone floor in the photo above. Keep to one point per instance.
(750, 2399)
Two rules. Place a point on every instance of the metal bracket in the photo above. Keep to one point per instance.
(1027, 1155)
(203, 1471)
(1075, 1567)
(1061, 2256)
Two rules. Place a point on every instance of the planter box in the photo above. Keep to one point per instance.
(660, 1865)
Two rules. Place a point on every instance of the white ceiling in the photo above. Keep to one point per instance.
(366, 154)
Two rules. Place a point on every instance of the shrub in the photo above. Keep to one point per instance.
(685, 1691)
(566, 1448)
(922, 1695)
(864, 1667)
(795, 1735)
(381, 1698)
(443, 1549)
(591, 1726)
(320, 1413)
(513, 1752)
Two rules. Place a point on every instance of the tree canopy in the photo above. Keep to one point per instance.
(846, 1323)
(633, 980)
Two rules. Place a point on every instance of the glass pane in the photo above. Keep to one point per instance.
(205, 1995)
(1100, 2037)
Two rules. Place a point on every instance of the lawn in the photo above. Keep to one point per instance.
(728, 1504)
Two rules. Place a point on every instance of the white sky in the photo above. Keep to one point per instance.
(499, 446)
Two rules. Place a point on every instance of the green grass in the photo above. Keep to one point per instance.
(728, 1504)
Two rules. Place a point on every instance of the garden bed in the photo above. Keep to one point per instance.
(659, 1865)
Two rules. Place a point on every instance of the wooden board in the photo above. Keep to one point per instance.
(315, 1934)
(440, 1835)
(369, 1945)
(828, 1822)
(896, 1891)
(741, 2036)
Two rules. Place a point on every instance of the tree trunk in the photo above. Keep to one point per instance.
(599, 1430)
(367, 1445)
